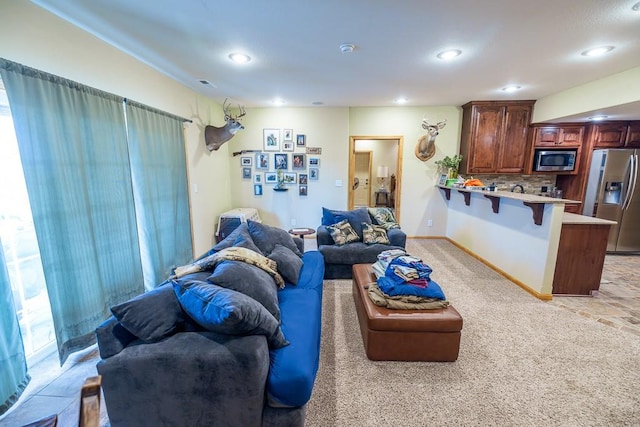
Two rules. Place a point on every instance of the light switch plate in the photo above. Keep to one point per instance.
(338, 183)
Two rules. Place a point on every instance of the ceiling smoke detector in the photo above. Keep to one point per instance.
(347, 48)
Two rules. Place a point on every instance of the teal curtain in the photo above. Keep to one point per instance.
(158, 168)
(73, 148)
(13, 365)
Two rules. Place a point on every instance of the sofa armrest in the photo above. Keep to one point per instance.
(397, 237)
(187, 379)
(323, 237)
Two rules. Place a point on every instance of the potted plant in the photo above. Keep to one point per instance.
(450, 164)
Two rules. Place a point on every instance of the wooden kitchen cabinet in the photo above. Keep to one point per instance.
(494, 136)
(558, 136)
(633, 135)
(609, 135)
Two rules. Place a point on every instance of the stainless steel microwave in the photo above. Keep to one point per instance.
(554, 160)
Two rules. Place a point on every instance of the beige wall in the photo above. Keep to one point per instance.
(33, 37)
(617, 89)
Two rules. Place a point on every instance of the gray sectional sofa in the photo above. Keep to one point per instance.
(198, 351)
(339, 259)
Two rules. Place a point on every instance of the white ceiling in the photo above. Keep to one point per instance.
(294, 46)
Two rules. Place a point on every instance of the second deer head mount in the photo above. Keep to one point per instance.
(214, 137)
(426, 146)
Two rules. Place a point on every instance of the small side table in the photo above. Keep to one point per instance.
(301, 232)
(382, 198)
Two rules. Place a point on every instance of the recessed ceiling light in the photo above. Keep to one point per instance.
(347, 48)
(402, 100)
(278, 102)
(511, 88)
(636, 7)
(597, 51)
(239, 58)
(598, 118)
(449, 54)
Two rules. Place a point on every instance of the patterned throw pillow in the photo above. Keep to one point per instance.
(384, 217)
(343, 233)
(374, 234)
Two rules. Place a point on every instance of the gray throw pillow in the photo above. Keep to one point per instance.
(229, 312)
(244, 240)
(249, 280)
(267, 237)
(289, 264)
(151, 316)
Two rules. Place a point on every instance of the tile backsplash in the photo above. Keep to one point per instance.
(532, 184)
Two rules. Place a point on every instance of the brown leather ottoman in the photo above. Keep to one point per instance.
(404, 335)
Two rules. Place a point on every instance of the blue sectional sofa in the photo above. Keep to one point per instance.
(161, 367)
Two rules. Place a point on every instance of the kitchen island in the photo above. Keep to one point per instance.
(517, 234)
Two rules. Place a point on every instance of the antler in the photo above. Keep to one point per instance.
(425, 123)
(242, 112)
(225, 109)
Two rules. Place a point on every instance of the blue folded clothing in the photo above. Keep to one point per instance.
(391, 288)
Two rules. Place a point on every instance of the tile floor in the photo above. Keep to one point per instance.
(55, 389)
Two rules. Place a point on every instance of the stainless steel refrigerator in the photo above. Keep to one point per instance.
(612, 193)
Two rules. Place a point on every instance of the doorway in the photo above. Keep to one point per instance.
(377, 160)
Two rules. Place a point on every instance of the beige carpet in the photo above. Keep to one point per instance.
(523, 362)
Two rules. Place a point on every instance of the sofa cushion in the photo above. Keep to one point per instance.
(152, 315)
(383, 217)
(353, 253)
(374, 234)
(228, 241)
(267, 237)
(289, 264)
(343, 233)
(249, 280)
(293, 368)
(355, 217)
(226, 311)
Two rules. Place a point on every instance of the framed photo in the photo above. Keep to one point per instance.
(314, 150)
(302, 178)
(287, 146)
(281, 161)
(443, 179)
(270, 177)
(314, 162)
(262, 161)
(301, 140)
(271, 139)
(314, 174)
(246, 173)
(246, 161)
(290, 177)
(257, 189)
(287, 135)
(297, 161)
(302, 190)
(257, 178)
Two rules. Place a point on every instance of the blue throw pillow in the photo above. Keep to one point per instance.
(152, 315)
(229, 312)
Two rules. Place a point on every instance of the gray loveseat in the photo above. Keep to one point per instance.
(339, 259)
(194, 353)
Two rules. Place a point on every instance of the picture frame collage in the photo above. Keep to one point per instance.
(282, 150)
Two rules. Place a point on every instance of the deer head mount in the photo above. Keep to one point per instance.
(214, 137)
(426, 147)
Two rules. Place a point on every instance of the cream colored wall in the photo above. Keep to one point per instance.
(617, 89)
(33, 37)
(421, 201)
(327, 128)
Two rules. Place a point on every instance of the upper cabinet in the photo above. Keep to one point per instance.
(494, 136)
(609, 135)
(633, 135)
(558, 136)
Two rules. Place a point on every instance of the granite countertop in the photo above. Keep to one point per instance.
(525, 197)
(571, 218)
